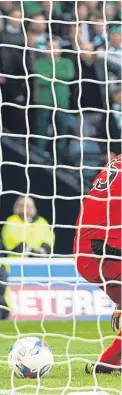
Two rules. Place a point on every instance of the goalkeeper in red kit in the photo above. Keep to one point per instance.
(98, 249)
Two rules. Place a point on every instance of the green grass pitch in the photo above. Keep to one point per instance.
(73, 344)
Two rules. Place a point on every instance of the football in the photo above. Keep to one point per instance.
(30, 357)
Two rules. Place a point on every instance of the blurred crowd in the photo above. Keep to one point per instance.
(62, 61)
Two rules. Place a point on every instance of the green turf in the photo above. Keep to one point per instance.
(72, 346)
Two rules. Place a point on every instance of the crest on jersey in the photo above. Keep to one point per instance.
(108, 175)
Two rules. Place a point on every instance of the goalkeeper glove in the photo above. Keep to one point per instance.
(116, 321)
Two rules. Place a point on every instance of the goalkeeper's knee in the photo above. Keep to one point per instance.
(116, 321)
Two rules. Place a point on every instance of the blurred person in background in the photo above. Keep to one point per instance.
(75, 36)
(14, 90)
(115, 43)
(113, 11)
(38, 7)
(5, 7)
(11, 62)
(93, 96)
(43, 7)
(118, 11)
(94, 8)
(116, 92)
(83, 15)
(67, 8)
(99, 33)
(12, 33)
(110, 10)
(38, 26)
(2, 18)
(56, 9)
(64, 71)
(11, 59)
(93, 5)
(25, 231)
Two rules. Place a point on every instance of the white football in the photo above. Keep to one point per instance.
(30, 357)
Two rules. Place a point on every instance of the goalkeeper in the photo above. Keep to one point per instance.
(98, 248)
(25, 231)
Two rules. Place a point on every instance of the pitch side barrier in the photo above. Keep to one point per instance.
(52, 289)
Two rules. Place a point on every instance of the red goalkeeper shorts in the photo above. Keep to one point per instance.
(90, 268)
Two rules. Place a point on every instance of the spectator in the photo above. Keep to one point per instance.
(11, 59)
(94, 7)
(13, 30)
(93, 94)
(116, 92)
(1, 22)
(38, 27)
(109, 11)
(64, 71)
(56, 9)
(83, 15)
(38, 7)
(93, 97)
(5, 7)
(115, 43)
(95, 152)
(75, 37)
(53, 12)
(67, 9)
(25, 231)
(86, 37)
(118, 11)
(100, 35)
(43, 7)
(32, 39)
(14, 89)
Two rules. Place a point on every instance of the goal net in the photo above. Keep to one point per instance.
(60, 123)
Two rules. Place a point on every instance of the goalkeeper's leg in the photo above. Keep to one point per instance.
(110, 360)
(90, 268)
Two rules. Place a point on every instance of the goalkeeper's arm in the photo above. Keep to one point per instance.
(99, 248)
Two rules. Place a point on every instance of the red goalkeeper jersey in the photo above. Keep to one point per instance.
(100, 213)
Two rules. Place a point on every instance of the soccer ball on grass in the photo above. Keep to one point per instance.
(30, 357)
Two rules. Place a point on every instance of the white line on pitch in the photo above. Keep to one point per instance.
(75, 355)
(63, 355)
(49, 334)
(10, 392)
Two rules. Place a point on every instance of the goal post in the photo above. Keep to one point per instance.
(44, 105)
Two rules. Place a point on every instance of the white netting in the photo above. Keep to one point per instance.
(49, 287)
